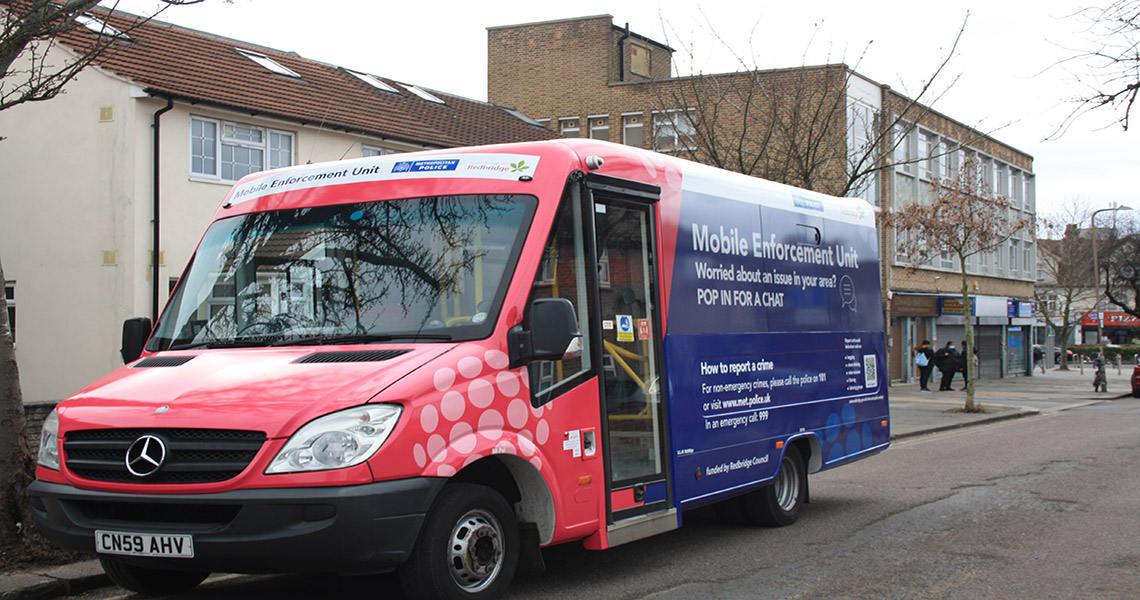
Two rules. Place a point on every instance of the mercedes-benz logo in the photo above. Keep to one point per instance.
(146, 456)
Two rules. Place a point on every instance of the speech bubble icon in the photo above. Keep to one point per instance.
(847, 291)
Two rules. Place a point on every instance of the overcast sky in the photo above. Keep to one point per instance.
(1004, 72)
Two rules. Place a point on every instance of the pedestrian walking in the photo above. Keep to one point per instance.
(924, 360)
(1039, 359)
(946, 359)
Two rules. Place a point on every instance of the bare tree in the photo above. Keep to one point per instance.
(31, 72)
(1122, 265)
(1111, 65)
(797, 126)
(1067, 292)
(963, 218)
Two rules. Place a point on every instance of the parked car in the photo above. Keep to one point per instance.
(1136, 381)
(1057, 355)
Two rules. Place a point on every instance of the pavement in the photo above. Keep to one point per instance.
(913, 413)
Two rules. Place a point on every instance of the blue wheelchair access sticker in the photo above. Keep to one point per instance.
(418, 166)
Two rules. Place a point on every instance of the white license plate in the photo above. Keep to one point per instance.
(144, 544)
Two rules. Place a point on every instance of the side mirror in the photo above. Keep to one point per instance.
(135, 333)
(554, 333)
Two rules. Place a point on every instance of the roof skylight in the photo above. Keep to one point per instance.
(101, 27)
(268, 63)
(374, 82)
(422, 93)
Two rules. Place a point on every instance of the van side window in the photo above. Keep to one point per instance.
(562, 274)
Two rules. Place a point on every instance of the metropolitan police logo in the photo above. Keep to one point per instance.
(145, 456)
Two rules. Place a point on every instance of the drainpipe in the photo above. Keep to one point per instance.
(621, 53)
(155, 251)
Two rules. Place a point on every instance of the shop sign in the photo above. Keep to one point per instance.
(1111, 319)
(904, 305)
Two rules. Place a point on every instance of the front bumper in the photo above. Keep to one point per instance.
(350, 529)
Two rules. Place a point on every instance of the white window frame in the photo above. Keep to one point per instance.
(268, 159)
(665, 120)
(927, 150)
(367, 151)
(268, 63)
(424, 94)
(570, 127)
(600, 127)
(629, 123)
(373, 81)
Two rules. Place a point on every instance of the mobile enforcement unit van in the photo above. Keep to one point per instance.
(440, 362)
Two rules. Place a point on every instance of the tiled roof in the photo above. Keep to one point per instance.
(168, 60)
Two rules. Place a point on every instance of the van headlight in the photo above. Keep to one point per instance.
(49, 442)
(338, 440)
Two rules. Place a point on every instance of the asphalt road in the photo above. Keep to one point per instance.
(1043, 507)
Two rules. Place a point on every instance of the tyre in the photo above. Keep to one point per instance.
(778, 504)
(148, 581)
(468, 547)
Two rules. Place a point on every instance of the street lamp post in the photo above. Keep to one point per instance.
(1096, 276)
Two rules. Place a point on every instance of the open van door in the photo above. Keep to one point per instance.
(629, 344)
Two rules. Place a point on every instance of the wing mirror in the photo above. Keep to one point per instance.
(135, 333)
(554, 333)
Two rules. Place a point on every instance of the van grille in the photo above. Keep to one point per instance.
(192, 455)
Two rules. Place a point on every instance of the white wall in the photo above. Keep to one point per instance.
(75, 187)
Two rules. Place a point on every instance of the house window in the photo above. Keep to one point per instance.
(10, 303)
(367, 151)
(633, 130)
(600, 128)
(903, 151)
(226, 151)
(570, 128)
(639, 59)
(927, 151)
(1014, 250)
(673, 130)
(943, 160)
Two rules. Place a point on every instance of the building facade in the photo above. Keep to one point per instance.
(140, 150)
(824, 127)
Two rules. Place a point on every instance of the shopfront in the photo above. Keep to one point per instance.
(912, 321)
(1119, 328)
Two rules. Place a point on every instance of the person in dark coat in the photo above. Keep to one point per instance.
(963, 367)
(946, 359)
(924, 371)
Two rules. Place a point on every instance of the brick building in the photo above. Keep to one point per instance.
(823, 127)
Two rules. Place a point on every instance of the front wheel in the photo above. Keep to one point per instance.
(148, 581)
(778, 504)
(468, 548)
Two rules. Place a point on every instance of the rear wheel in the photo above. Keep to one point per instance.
(148, 581)
(778, 504)
(468, 548)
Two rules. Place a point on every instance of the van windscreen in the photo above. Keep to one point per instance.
(433, 268)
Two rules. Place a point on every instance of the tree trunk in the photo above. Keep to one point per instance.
(968, 351)
(16, 463)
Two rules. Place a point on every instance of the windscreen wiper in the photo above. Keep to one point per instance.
(358, 338)
(246, 343)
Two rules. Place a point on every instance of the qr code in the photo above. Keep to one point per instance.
(870, 371)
